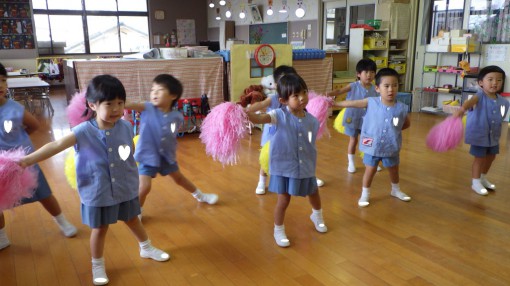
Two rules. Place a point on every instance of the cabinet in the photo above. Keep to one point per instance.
(397, 60)
(368, 44)
(17, 29)
(443, 82)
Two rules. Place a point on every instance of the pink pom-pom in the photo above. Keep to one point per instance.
(222, 131)
(318, 106)
(76, 108)
(445, 135)
(16, 182)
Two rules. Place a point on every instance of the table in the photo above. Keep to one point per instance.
(20, 74)
(32, 92)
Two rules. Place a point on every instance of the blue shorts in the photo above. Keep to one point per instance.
(479, 151)
(164, 169)
(352, 132)
(43, 190)
(387, 162)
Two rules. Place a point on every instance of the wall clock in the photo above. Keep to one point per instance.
(264, 55)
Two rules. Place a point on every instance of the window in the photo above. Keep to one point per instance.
(490, 20)
(258, 72)
(91, 26)
(446, 15)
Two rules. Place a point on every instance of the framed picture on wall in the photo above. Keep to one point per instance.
(256, 17)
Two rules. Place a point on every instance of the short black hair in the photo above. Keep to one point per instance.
(488, 69)
(385, 72)
(366, 65)
(104, 88)
(290, 84)
(173, 85)
(3, 71)
(282, 70)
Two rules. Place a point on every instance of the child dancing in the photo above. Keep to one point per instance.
(157, 144)
(16, 125)
(353, 117)
(381, 133)
(268, 104)
(292, 153)
(486, 113)
(106, 171)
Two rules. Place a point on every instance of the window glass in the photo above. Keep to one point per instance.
(100, 5)
(447, 15)
(39, 4)
(67, 34)
(134, 34)
(132, 5)
(64, 4)
(103, 34)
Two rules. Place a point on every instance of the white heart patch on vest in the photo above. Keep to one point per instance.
(503, 110)
(172, 127)
(310, 136)
(124, 151)
(8, 126)
(395, 121)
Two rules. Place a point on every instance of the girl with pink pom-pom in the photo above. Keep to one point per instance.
(157, 144)
(353, 117)
(292, 153)
(486, 113)
(15, 126)
(107, 175)
(271, 102)
(381, 133)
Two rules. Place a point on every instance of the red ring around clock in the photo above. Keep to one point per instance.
(256, 55)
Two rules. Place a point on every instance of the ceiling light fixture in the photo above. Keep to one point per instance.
(223, 2)
(284, 7)
(300, 11)
(211, 4)
(218, 17)
(270, 7)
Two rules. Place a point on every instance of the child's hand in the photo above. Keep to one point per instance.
(459, 113)
(22, 163)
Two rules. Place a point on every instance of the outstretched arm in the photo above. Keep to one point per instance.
(135, 106)
(259, 118)
(337, 92)
(362, 103)
(30, 122)
(48, 150)
(261, 105)
(468, 104)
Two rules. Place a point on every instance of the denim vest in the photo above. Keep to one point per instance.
(292, 149)
(381, 134)
(484, 120)
(353, 117)
(106, 170)
(12, 131)
(158, 136)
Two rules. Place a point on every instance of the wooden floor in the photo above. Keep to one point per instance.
(447, 234)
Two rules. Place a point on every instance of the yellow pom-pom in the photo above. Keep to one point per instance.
(361, 154)
(264, 158)
(135, 139)
(338, 124)
(464, 119)
(70, 169)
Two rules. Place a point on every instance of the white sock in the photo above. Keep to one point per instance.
(351, 158)
(395, 187)
(97, 261)
(197, 194)
(279, 227)
(60, 219)
(476, 182)
(317, 211)
(262, 179)
(145, 245)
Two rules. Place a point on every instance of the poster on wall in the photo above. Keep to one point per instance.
(186, 32)
(16, 28)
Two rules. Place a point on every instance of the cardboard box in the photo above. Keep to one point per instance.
(457, 33)
(437, 48)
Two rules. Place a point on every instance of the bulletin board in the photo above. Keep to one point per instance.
(240, 66)
(16, 27)
(186, 32)
(273, 33)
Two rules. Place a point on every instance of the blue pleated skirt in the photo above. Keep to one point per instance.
(99, 216)
(291, 186)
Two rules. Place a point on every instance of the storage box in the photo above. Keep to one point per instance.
(375, 43)
(457, 33)
(430, 68)
(381, 62)
(437, 48)
(400, 68)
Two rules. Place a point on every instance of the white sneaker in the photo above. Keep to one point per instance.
(400, 195)
(261, 188)
(351, 169)
(318, 221)
(208, 198)
(364, 200)
(67, 228)
(154, 253)
(4, 241)
(479, 189)
(99, 275)
(320, 182)
(487, 184)
(281, 238)
(379, 169)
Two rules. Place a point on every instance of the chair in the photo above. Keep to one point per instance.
(42, 100)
